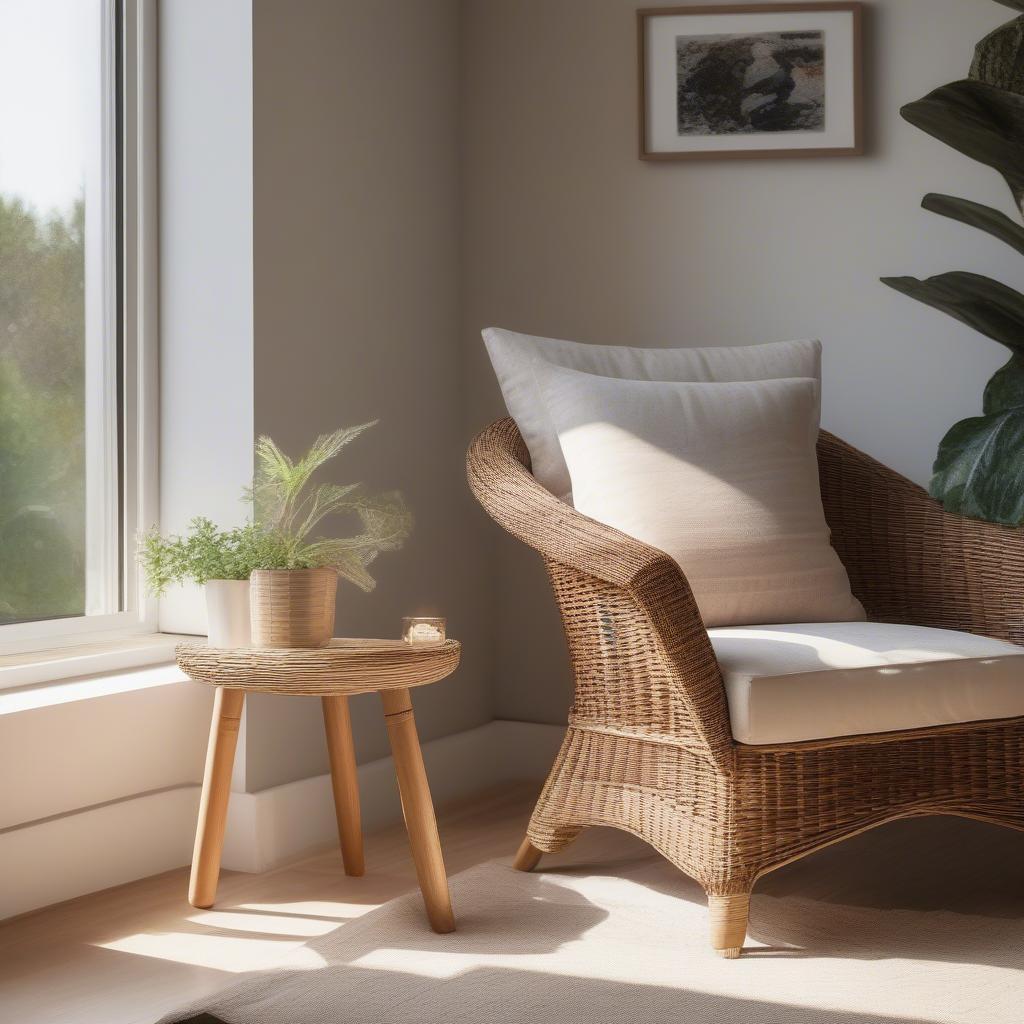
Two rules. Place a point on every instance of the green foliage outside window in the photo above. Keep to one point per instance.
(42, 413)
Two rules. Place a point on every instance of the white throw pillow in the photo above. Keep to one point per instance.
(515, 358)
(721, 477)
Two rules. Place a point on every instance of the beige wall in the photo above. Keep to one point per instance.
(425, 167)
(567, 233)
(355, 165)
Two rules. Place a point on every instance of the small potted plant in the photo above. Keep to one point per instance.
(218, 560)
(295, 577)
(276, 566)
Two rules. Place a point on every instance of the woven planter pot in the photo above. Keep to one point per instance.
(292, 607)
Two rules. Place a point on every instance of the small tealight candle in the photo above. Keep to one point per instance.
(422, 630)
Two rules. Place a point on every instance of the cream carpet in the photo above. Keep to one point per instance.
(920, 921)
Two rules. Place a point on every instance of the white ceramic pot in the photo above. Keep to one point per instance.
(227, 613)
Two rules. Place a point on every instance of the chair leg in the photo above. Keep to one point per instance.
(728, 923)
(527, 856)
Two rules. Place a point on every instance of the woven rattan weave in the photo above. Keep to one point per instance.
(344, 666)
(649, 748)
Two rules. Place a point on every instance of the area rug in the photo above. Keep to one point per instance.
(922, 924)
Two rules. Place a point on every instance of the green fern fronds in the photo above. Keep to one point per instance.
(286, 512)
(279, 483)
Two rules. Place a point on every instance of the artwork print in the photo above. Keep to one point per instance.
(740, 84)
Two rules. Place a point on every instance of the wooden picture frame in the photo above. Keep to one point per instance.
(834, 108)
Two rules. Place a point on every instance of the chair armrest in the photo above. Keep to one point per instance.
(910, 560)
(641, 656)
(497, 467)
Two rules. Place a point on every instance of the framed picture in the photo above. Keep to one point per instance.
(750, 80)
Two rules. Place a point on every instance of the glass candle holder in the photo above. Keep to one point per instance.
(419, 629)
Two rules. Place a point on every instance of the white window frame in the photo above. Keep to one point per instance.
(114, 515)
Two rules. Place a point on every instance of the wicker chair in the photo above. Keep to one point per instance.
(649, 748)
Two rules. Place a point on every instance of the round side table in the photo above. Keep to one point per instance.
(333, 673)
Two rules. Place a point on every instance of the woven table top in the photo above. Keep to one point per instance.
(344, 666)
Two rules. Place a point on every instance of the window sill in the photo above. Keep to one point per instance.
(90, 670)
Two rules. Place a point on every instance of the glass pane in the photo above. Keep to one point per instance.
(54, 112)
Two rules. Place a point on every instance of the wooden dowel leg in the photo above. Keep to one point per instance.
(527, 856)
(344, 781)
(418, 808)
(213, 805)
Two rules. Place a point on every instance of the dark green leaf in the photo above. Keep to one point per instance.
(978, 120)
(1005, 391)
(979, 470)
(999, 57)
(984, 218)
(1017, 5)
(986, 305)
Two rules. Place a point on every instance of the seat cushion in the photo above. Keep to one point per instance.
(721, 477)
(516, 357)
(790, 683)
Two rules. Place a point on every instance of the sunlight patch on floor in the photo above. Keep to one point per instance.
(332, 910)
(232, 954)
(423, 963)
(263, 924)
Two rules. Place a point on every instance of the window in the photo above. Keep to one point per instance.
(76, 283)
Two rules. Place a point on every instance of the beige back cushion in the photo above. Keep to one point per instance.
(519, 358)
(722, 477)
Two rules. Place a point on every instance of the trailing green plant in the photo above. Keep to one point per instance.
(286, 511)
(204, 553)
(979, 469)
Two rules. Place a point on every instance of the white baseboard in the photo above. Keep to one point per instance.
(69, 855)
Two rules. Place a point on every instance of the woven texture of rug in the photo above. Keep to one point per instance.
(907, 924)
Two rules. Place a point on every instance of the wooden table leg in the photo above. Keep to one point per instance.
(213, 805)
(344, 781)
(418, 808)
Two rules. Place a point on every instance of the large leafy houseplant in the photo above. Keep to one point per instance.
(979, 470)
(287, 510)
